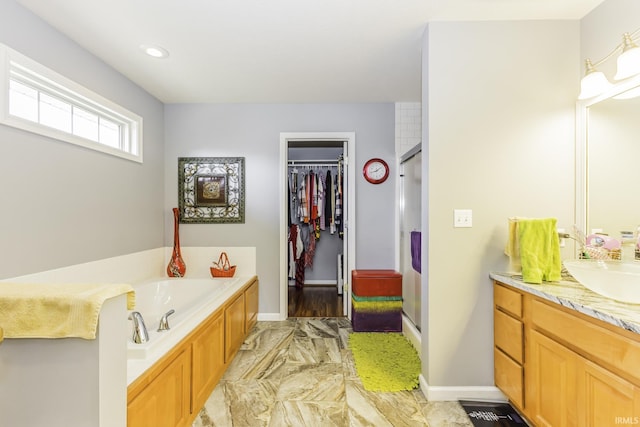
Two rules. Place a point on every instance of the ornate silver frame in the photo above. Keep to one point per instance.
(211, 190)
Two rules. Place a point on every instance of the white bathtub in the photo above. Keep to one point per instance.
(193, 301)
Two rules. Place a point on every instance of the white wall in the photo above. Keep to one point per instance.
(253, 131)
(498, 129)
(63, 204)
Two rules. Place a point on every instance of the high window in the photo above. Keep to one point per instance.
(39, 100)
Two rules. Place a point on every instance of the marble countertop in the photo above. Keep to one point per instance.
(573, 295)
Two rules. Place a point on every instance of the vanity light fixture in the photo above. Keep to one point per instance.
(629, 59)
(154, 51)
(595, 82)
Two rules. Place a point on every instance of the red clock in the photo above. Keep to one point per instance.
(376, 171)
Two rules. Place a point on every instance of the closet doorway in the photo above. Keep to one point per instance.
(317, 250)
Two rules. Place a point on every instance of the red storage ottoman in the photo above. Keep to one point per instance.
(376, 301)
(376, 283)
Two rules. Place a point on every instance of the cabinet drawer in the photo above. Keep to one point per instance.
(507, 335)
(508, 300)
(509, 377)
(618, 353)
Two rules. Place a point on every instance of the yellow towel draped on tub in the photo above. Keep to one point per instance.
(41, 310)
(539, 250)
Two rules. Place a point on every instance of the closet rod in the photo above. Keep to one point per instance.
(313, 162)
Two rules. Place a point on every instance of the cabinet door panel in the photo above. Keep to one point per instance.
(234, 327)
(165, 402)
(508, 300)
(508, 335)
(251, 300)
(207, 360)
(607, 399)
(551, 383)
(508, 377)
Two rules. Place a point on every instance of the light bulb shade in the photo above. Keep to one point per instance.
(628, 63)
(593, 84)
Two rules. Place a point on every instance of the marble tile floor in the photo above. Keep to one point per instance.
(300, 372)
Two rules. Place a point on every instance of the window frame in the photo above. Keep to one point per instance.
(20, 68)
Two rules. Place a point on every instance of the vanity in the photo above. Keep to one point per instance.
(565, 356)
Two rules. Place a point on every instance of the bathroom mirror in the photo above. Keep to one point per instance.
(608, 160)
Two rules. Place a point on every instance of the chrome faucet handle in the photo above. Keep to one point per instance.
(140, 334)
(164, 321)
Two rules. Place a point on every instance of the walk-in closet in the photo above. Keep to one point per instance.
(316, 228)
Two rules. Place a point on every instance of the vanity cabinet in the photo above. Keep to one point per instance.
(578, 370)
(174, 389)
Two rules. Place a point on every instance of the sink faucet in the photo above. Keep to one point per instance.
(140, 334)
(164, 323)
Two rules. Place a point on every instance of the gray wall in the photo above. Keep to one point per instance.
(62, 204)
(499, 103)
(253, 131)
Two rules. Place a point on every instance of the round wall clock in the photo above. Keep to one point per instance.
(376, 171)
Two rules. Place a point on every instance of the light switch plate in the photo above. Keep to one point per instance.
(462, 218)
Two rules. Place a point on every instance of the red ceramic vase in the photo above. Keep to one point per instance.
(176, 267)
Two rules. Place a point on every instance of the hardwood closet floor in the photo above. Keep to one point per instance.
(315, 301)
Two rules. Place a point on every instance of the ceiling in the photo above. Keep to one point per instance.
(276, 51)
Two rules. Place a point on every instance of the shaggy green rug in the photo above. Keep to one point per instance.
(385, 361)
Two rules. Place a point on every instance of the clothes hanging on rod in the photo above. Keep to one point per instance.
(312, 191)
(315, 189)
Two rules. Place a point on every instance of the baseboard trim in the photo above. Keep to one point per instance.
(482, 393)
(269, 317)
(412, 333)
(317, 282)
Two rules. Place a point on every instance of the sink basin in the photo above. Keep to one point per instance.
(618, 280)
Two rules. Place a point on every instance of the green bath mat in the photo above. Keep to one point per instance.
(385, 361)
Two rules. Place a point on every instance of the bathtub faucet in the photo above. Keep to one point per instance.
(164, 322)
(140, 334)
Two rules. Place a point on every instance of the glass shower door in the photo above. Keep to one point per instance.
(410, 228)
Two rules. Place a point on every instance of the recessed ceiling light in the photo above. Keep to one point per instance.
(155, 51)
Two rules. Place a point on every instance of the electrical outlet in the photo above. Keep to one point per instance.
(462, 218)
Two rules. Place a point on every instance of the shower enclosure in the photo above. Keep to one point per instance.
(410, 232)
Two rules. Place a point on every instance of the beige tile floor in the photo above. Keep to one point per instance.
(300, 372)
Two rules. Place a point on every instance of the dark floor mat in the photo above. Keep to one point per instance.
(492, 414)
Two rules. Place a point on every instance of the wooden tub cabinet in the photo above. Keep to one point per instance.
(175, 388)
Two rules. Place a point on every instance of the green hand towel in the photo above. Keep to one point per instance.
(539, 250)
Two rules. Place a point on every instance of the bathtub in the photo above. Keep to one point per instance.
(193, 301)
